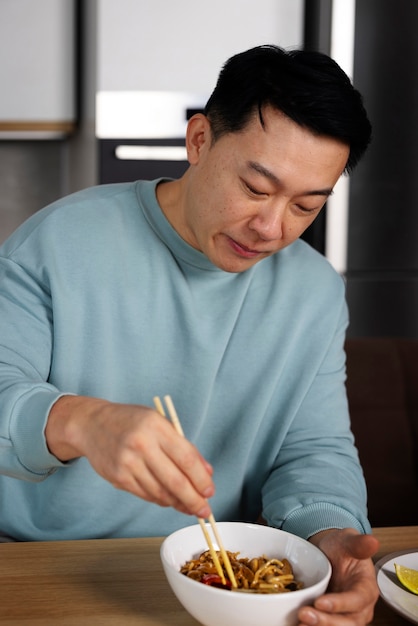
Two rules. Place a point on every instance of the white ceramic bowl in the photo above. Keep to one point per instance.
(218, 607)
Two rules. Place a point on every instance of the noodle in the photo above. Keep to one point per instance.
(256, 575)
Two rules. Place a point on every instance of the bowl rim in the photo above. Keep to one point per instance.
(264, 597)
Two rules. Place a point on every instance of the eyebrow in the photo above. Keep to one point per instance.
(260, 169)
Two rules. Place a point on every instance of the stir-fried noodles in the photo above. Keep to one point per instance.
(257, 575)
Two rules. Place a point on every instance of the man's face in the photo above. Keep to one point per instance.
(254, 192)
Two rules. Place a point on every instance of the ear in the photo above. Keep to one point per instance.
(198, 137)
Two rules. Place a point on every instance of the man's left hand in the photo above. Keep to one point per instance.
(352, 591)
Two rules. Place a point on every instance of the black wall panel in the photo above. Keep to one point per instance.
(382, 272)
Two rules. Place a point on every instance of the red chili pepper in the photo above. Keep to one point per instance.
(213, 580)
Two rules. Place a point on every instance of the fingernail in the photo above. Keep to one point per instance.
(324, 604)
(309, 617)
(208, 493)
(204, 512)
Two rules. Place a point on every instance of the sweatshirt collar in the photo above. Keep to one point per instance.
(147, 196)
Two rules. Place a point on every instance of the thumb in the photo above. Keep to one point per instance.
(361, 546)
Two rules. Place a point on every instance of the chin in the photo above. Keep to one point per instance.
(236, 266)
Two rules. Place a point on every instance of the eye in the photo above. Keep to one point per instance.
(253, 191)
(307, 210)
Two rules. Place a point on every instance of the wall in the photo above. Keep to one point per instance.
(180, 46)
(37, 77)
(135, 44)
(31, 176)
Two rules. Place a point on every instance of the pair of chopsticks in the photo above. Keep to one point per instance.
(176, 423)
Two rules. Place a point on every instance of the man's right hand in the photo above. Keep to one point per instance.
(134, 448)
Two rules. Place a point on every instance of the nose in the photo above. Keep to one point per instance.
(268, 222)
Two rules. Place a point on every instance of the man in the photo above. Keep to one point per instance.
(199, 288)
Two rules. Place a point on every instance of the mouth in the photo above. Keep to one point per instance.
(244, 251)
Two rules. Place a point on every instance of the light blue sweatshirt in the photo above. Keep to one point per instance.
(100, 296)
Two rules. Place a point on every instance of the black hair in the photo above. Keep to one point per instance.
(309, 87)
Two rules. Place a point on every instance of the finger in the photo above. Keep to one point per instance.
(158, 470)
(313, 616)
(310, 617)
(356, 603)
(353, 601)
(361, 546)
(138, 480)
(132, 473)
(155, 493)
(193, 466)
(186, 457)
(359, 598)
(180, 488)
(208, 466)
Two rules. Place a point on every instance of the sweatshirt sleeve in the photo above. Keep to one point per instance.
(26, 338)
(317, 481)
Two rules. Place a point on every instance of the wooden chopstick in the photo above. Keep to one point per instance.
(177, 425)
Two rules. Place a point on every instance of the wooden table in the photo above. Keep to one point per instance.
(115, 582)
(392, 540)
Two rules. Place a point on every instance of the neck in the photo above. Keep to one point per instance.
(170, 199)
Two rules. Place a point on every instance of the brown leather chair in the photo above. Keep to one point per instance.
(382, 388)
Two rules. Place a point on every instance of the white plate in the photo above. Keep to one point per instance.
(392, 591)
